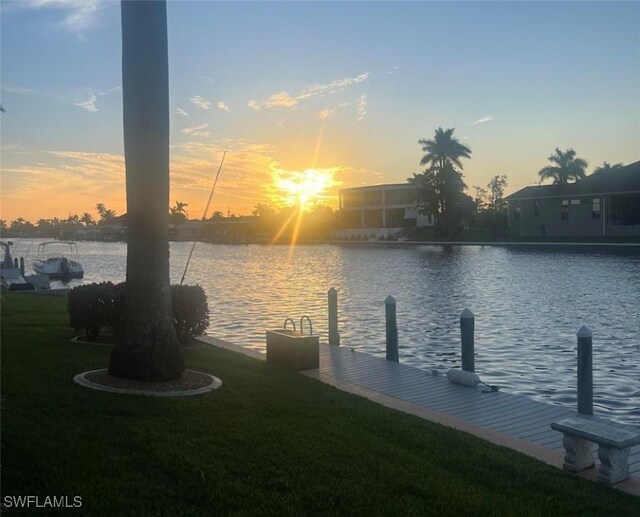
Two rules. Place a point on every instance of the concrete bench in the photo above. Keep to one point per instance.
(614, 441)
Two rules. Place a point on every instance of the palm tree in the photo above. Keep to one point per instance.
(146, 344)
(87, 219)
(567, 167)
(441, 182)
(106, 214)
(606, 167)
(262, 210)
(177, 213)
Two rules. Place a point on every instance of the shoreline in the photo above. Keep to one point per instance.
(485, 243)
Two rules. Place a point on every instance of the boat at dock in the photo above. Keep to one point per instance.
(11, 276)
(58, 265)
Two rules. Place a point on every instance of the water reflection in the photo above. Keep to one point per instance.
(528, 303)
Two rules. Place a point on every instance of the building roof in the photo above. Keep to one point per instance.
(621, 181)
(378, 187)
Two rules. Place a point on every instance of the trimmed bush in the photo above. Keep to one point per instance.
(91, 307)
(190, 311)
(94, 306)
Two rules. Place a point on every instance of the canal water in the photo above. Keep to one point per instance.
(528, 303)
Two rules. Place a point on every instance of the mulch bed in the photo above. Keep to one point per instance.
(189, 381)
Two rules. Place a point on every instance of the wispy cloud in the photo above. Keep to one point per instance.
(89, 104)
(201, 102)
(289, 100)
(79, 16)
(208, 80)
(197, 131)
(82, 178)
(326, 114)
(222, 106)
(393, 71)
(182, 112)
(362, 106)
(482, 120)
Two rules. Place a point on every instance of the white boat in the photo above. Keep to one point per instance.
(11, 278)
(56, 264)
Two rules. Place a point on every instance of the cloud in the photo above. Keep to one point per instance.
(393, 71)
(208, 80)
(197, 131)
(201, 102)
(289, 100)
(89, 104)
(80, 15)
(362, 106)
(182, 112)
(326, 114)
(81, 180)
(482, 120)
(222, 106)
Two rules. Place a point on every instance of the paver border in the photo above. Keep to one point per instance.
(82, 381)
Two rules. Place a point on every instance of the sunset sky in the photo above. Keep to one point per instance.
(345, 88)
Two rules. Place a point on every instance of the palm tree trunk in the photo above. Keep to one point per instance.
(146, 345)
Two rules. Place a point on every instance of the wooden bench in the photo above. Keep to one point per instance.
(614, 441)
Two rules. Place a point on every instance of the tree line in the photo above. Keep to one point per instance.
(441, 187)
(66, 228)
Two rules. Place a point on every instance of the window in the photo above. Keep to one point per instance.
(516, 212)
(564, 210)
(595, 208)
(536, 208)
(575, 201)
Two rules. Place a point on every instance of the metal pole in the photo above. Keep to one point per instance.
(334, 336)
(392, 329)
(467, 323)
(585, 371)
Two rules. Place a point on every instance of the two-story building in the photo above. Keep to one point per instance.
(379, 211)
(605, 204)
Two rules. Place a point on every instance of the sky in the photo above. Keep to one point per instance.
(344, 88)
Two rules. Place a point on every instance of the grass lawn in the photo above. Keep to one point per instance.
(269, 442)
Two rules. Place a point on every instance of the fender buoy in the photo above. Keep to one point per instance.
(462, 377)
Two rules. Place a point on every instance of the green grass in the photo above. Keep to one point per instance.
(269, 442)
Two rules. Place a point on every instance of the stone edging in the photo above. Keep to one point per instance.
(82, 381)
(79, 339)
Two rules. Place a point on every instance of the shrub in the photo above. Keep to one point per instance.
(90, 307)
(190, 311)
(94, 306)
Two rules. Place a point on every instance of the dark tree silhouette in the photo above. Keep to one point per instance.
(567, 167)
(146, 345)
(607, 167)
(441, 184)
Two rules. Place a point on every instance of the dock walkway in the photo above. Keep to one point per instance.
(515, 416)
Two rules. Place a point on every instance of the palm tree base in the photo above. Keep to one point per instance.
(148, 358)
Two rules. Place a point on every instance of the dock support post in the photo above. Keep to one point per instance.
(334, 335)
(467, 323)
(585, 371)
(22, 266)
(392, 329)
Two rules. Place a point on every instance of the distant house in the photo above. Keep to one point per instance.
(187, 231)
(604, 204)
(379, 211)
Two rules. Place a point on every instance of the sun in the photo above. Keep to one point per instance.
(303, 189)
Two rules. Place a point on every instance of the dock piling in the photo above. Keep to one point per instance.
(585, 371)
(467, 324)
(392, 329)
(334, 335)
